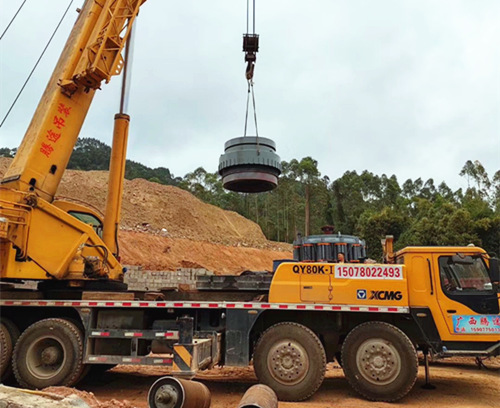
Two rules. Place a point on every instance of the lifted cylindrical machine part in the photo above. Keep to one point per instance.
(259, 396)
(250, 165)
(170, 392)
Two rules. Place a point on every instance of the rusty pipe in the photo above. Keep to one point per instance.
(259, 396)
(170, 392)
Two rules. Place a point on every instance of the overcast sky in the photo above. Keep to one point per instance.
(405, 87)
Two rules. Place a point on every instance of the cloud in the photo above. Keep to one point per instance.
(408, 88)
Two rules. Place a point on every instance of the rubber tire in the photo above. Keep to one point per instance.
(402, 384)
(316, 355)
(338, 358)
(66, 333)
(85, 371)
(13, 333)
(5, 350)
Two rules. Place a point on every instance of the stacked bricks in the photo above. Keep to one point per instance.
(143, 280)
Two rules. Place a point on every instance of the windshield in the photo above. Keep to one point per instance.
(88, 219)
(466, 274)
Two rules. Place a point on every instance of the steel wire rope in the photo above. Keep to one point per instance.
(250, 82)
(246, 112)
(251, 91)
(36, 64)
(253, 17)
(253, 94)
(248, 15)
(13, 18)
(254, 112)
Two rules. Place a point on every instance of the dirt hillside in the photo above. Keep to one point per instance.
(155, 252)
(164, 227)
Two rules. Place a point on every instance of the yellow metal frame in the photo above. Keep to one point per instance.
(45, 242)
(40, 240)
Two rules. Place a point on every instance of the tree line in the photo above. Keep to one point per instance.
(416, 212)
(367, 205)
(92, 154)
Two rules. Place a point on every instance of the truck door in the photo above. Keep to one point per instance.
(465, 294)
(315, 284)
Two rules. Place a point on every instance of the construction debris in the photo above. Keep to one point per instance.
(11, 397)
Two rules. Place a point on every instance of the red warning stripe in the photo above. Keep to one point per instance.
(205, 305)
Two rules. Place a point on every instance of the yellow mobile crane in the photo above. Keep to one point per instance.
(42, 238)
(325, 304)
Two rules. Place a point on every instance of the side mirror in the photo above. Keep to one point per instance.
(494, 272)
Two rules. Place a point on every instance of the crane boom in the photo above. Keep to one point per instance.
(91, 55)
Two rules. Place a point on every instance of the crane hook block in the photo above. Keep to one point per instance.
(250, 165)
(250, 46)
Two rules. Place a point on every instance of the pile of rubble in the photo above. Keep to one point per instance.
(54, 397)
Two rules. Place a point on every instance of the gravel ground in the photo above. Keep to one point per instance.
(460, 383)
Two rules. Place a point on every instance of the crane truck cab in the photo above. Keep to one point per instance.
(451, 292)
(441, 301)
(456, 288)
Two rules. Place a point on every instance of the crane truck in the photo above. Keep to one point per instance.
(372, 318)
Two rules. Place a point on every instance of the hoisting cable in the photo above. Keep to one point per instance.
(36, 64)
(254, 109)
(248, 14)
(246, 112)
(251, 91)
(13, 18)
(253, 17)
(250, 47)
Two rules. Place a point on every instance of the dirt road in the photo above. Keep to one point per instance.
(459, 384)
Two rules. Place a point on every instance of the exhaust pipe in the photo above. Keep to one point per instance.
(259, 396)
(170, 392)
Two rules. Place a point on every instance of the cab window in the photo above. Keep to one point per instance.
(88, 219)
(463, 274)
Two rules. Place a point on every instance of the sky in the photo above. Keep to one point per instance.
(404, 87)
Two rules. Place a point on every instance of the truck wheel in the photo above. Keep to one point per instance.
(11, 334)
(5, 350)
(83, 373)
(291, 360)
(379, 361)
(48, 353)
(338, 357)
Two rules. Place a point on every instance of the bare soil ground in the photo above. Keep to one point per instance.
(460, 383)
(165, 228)
(153, 207)
(155, 252)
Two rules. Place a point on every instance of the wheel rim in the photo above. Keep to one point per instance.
(378, 361)
(288, 362)
(45, 357)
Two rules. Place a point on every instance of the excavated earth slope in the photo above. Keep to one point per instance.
(164, 227)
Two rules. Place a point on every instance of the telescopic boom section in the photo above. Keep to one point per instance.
(91, 55)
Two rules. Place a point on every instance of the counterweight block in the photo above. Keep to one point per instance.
(250, 165)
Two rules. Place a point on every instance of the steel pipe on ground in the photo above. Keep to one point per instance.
(170, 392)
(259, 396)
